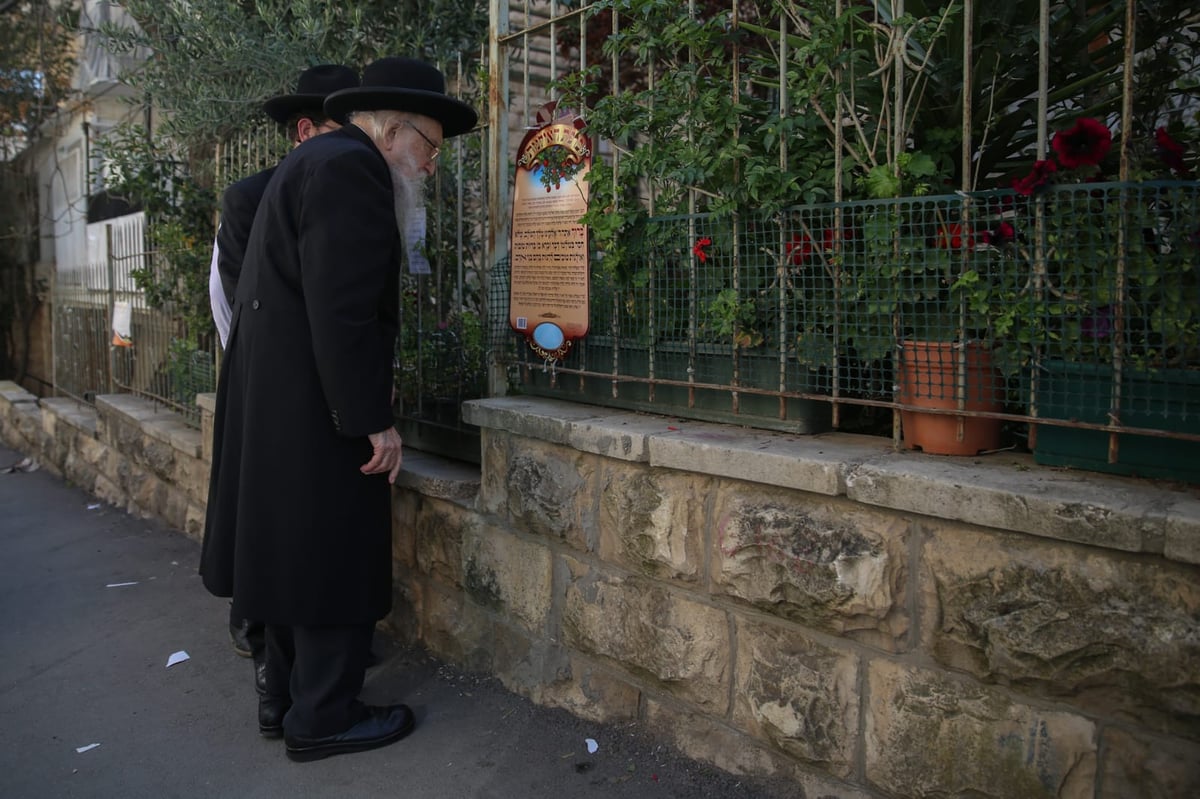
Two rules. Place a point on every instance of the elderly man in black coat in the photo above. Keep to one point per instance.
(298, 529)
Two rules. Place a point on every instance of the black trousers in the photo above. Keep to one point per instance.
(320, 671)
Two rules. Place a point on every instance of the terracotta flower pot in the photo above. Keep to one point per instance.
(926, 374)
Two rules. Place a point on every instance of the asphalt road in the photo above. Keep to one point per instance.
(95, 602)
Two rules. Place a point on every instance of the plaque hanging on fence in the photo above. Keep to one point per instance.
(548, 292)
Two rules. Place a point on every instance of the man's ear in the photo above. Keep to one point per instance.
(305, 129)
(391, 131)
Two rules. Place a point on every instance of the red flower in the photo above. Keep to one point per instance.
(951, 237)
(799, 249)
(1001, 234)
(1084, 144)
(698, 249)
(1036, 179)
(1170, 151)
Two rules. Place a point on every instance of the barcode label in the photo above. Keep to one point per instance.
(522, 322)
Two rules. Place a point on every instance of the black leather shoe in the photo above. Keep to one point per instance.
(382, 726)
(270, 717)
(237, 634)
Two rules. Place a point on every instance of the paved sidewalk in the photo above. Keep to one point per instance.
(93, 602)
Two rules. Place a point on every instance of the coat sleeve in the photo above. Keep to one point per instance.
(347, 242)
(237, 217)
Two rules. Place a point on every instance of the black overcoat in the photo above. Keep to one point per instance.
(239, 205)
(294, 532)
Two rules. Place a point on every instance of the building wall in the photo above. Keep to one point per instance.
(863, 622)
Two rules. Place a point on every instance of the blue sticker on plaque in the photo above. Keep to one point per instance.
(548, 336)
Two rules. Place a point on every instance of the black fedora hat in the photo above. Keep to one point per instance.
(404, 84)
(314, 85)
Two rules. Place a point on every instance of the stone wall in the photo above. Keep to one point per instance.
(864, 622)
(861, 621)
(124, 450)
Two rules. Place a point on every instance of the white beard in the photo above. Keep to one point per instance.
(409, 194)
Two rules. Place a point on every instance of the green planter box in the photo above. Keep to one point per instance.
(713, 366)
(1166, 399)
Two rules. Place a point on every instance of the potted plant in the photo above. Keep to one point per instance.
(1117, 309)
(925, 289)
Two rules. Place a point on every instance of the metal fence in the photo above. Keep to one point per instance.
(108, 338)
(1081, 299)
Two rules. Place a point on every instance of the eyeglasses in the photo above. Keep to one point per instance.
(436, 150)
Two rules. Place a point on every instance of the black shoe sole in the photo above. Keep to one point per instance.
(306, 754)
(270, 732)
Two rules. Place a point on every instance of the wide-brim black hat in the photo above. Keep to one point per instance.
(404, 84)
(315, 84)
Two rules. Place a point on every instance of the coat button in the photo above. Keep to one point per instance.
(254, 305)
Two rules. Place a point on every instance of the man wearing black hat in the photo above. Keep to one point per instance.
(298, 528)
(303, 116)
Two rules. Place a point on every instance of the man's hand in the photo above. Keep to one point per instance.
(387, 454)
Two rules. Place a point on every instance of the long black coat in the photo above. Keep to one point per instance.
(239, 205)
(294, 531)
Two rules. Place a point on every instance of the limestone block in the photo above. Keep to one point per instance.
(172, 506)
(438, 537)
(108, 491)
(825, 563)
(27, 421)
(126, 437)
(92, 451)
(1116, 635)
(158, 456)
(207, 420)
(493, 459)
(1146, 767)
(456, 630)
(141, 489)
(928, 734)
(706, 739)
(508, 575)
(525, 663)
(191, 476)
(49, 419)
(1182, 538)
(79, 472)
(680, 645)
(589, 691)
(193, 523)
(798, 695)
(551, 490)
(404, 528)
(652, 521)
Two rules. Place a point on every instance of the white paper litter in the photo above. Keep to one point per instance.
(120, 585)
(177, 657)
(82, 749)
(591, 745)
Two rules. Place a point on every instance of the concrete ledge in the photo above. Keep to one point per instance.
(1004, 491)
(441, 478)
(14, 393)
(78, 414)
(1010, 492)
